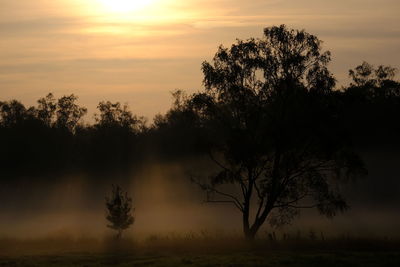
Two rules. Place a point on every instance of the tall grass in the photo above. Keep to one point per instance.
(204, 241)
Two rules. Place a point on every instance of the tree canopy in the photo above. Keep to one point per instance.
(273, 128)
(119, 210)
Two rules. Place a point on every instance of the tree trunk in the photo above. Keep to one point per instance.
(250, 232)
(246, 224)
(250, 235)
(256, 226)
(119, 234)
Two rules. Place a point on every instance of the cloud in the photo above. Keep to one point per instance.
(49, 44)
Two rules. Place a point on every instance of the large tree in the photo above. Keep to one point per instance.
(270, 115)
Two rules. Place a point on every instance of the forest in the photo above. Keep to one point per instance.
(53, 137)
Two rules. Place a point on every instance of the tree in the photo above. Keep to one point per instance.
(116, 134)
(19, 132)
(174, 133)
(273, 130)
(373, 83)
(119, 210)
(14, 112)
(371, 104)
(113, 115)
(46, 109)
(68, 113)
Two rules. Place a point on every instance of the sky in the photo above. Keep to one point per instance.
(138, 51)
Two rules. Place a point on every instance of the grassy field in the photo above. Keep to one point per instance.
(157, 251)
(274, 258)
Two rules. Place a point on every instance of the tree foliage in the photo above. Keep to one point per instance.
(68, 113)
(51, 137)
(119, 210)
(371, 105)
(113, 115)
(46, 110)
(273, 128)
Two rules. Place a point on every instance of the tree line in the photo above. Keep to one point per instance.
(271, 119)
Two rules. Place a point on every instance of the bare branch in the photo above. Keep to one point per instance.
(260, 205)
(217, 162)
(302, 207)
(209, 189)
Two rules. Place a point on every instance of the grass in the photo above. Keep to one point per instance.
(199, 250)
(274, 258)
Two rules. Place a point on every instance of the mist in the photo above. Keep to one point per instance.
(166, 202)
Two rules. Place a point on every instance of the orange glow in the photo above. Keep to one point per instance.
(125, 6)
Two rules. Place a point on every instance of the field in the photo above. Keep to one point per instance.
(195, 251)
(271, 258)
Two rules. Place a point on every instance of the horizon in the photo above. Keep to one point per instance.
(138, 53)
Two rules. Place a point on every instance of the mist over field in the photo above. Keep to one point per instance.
(166, 202)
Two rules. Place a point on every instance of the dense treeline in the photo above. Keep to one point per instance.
(371, 105)
(53, 138)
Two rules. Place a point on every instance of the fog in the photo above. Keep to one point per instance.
(166, 202)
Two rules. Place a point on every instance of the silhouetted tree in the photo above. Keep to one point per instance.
(366, 74)
(374, 82)
(174, 134)
(114, 115)
(68, 113)
(119, 210)
(115, 137)
(14, 112)
(46, 110)
(371, 104)
(272, 129)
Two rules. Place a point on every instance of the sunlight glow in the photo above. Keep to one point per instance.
(125, 6)
(135, 17)
(134, 11)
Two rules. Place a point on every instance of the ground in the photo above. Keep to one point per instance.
(184, 252)
(282, 258)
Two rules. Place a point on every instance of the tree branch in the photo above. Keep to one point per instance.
(209, 189)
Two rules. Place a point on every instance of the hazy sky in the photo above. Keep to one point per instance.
(137, 51)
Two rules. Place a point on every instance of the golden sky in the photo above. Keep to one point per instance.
(137, 51)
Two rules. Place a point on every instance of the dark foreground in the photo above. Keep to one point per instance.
(200, 253)
(282, 258)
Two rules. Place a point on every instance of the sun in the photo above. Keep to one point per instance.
(125, 6)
